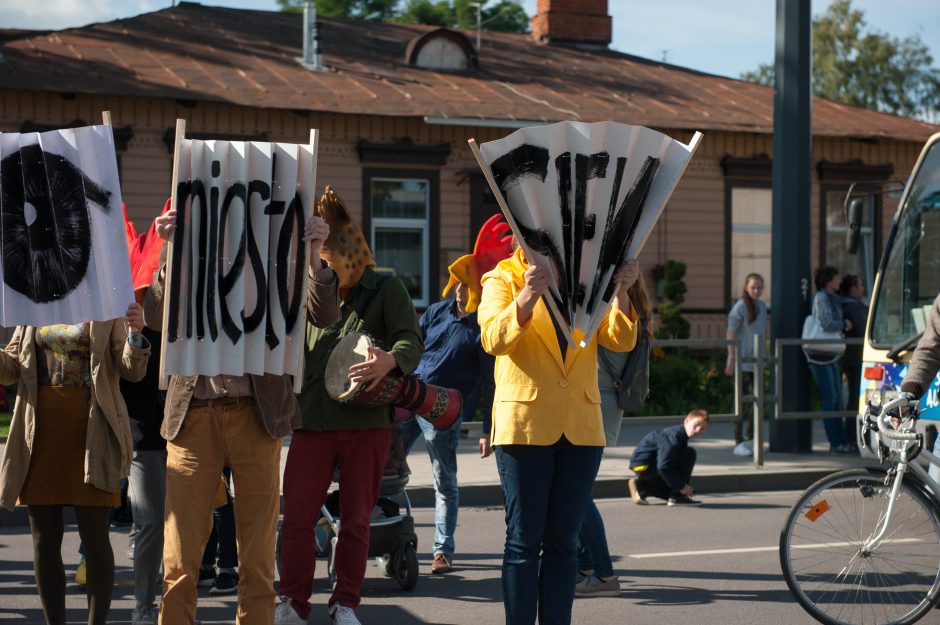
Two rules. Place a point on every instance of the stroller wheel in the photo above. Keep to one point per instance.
(404, 562)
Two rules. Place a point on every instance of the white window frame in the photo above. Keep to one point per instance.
(392, 223)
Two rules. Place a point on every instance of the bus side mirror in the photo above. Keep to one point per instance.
(854, 225)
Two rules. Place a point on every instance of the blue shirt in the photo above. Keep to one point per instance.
(454, 357)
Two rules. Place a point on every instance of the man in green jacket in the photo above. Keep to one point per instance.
(354, 439)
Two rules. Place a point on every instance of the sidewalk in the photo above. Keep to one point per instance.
(717, 470)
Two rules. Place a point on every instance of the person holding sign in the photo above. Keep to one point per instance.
(235, 421)
(353, 438)
(547, 430)
(70, 444)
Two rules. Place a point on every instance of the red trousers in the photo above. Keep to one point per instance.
(360, 456)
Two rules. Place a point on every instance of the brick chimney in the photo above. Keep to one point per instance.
(572, 22)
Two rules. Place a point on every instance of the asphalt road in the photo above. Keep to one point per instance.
(736, 580)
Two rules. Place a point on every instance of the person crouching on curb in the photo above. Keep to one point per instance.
(663, 462)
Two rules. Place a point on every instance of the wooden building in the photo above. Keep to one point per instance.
(396, 103)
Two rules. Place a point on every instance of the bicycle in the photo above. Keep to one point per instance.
(863, 545)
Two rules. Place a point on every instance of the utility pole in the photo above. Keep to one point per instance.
(479, 7)
(793, 156)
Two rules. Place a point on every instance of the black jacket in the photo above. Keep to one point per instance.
(144, 401)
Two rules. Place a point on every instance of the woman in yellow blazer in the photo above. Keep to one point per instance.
(547, 431)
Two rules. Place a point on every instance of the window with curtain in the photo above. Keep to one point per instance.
(400, 232)
(751, 219)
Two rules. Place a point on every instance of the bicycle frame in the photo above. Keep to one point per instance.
(903, 465)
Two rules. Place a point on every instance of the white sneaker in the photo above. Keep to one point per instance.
(284, 614)
(342, 615)
(143, 616)
(744, 448)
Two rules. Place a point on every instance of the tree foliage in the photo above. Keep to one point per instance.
(502, 15)
(374, 10)
(862, 67)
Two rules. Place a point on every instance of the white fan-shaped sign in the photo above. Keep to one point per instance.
(582, 199)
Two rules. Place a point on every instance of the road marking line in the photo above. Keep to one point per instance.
(718, 552)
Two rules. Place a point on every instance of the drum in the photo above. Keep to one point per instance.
(441, 406)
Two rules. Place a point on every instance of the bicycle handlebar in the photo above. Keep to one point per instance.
(890, 432)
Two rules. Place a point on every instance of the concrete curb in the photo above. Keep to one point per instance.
(491, 495)
(488, 495)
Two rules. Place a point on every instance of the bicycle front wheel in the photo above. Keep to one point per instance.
(829, 566)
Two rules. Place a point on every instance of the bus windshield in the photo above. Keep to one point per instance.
(910, 275)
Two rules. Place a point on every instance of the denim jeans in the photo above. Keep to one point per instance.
(546, 490)
(829, 381)
(442, 448)
(592, 540)
(593, 553)
(147, 494)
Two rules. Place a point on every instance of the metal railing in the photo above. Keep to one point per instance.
(779, 413)
(740, 399)
(760, 397)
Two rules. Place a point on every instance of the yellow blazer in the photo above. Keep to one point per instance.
(540, 397)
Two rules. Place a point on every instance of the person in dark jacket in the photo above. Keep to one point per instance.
(663, 462)
(855, 310)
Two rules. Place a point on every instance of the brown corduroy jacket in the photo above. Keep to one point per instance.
(274, 395)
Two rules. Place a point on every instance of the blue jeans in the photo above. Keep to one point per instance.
(829, 381)
(147, 494)
(442, 448)
(546, 490)
(593, 553)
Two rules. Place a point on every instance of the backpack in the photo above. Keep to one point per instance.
(633, 387)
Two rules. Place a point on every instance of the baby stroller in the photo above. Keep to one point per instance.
(392, 539)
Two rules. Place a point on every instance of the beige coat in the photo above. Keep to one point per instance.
(108, 445)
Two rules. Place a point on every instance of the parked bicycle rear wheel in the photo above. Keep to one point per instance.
(827, 568)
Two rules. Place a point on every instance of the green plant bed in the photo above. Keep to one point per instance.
(5, 418)
(681, 380)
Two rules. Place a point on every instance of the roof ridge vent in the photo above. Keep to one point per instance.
(312, 58)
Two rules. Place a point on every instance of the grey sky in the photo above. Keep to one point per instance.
(723, 37)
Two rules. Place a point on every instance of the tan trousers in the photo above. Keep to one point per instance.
(214, 437)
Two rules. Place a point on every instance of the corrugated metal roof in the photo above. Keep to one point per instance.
(248, 58)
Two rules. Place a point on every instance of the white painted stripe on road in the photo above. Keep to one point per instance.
(719, 552)
(707, 552)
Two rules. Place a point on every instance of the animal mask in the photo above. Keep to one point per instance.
(345, 249)
(492, 245)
